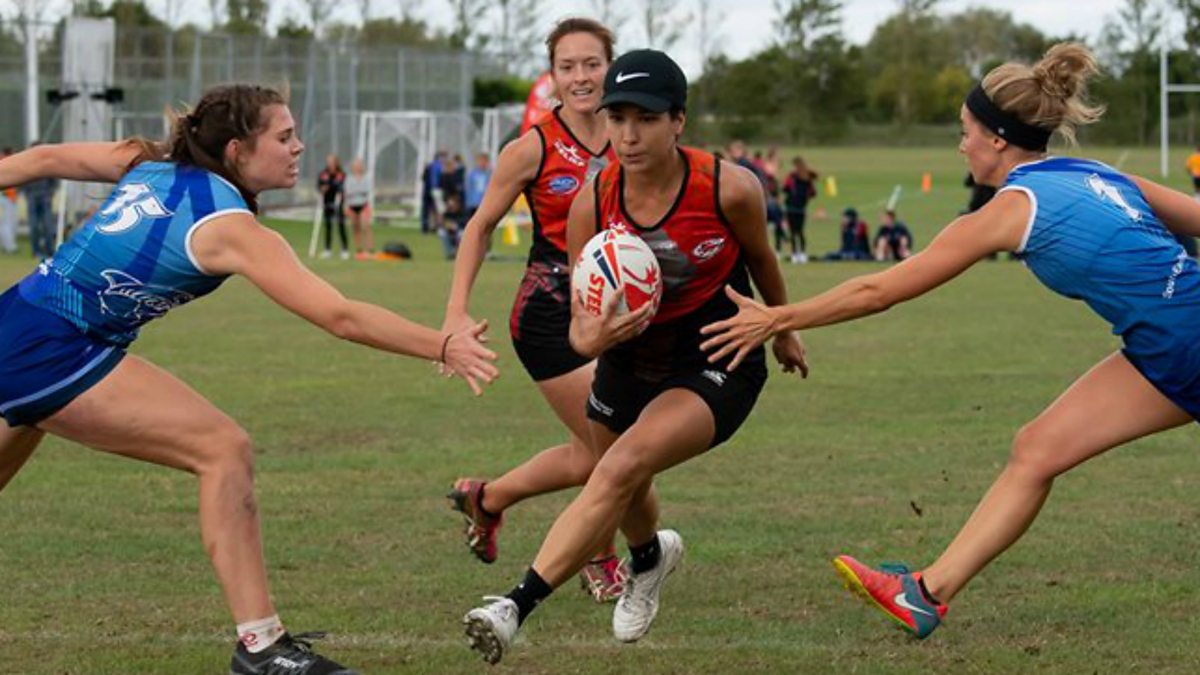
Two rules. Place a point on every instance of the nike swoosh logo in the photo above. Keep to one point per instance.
(900, 600)
(623, 77)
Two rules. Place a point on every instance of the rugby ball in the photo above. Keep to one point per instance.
(614, 258)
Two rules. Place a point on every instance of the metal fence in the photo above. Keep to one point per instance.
(329, 83)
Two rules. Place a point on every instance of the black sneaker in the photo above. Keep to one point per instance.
(288, 656)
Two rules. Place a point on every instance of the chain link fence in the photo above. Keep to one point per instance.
(330, 84)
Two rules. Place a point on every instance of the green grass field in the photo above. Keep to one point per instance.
(882, 453)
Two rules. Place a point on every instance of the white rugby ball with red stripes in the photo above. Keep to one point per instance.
(614, 258)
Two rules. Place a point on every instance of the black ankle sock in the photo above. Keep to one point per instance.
(926, 593)
(645, 557)
(482, 510)
(527, 594)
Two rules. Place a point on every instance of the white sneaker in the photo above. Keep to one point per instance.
(345, 255)
(491, 628)
(325, 254)
(636, 609)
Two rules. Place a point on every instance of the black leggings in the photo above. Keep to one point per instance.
(331, 211)
(795, 220)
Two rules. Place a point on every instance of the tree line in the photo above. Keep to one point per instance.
(807, 83)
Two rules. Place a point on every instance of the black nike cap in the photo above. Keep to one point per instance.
(647, 78)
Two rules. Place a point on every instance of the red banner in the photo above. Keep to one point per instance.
(541, 101)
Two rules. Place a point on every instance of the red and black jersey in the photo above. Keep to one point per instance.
(566, 166)
(698, 255)
(695, 247)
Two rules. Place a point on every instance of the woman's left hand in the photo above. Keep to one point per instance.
(744, 332)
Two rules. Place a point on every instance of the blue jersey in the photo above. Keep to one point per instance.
(132, 260)
(1093, 237)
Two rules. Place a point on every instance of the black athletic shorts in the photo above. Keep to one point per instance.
(1196, 183)
(540, 322)
(618, 396)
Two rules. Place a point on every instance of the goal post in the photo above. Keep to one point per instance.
(1165, 91)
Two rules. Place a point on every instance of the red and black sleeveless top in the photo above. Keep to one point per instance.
(697, 253)
(567, 165)
(695, 247)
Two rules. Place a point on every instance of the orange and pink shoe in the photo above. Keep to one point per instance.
(895, 591)
(480, 528)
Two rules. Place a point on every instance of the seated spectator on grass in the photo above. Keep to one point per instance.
(855, 238)
(893, 241)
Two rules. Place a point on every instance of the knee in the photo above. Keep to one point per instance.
(227, 452)
(582, 465)
(1033, 452)
(619, 474)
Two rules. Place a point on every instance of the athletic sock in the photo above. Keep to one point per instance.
(482, 510)
(926, 593)
(257, 635)
(527, 594)
(644, 557)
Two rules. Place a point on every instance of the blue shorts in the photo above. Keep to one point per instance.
(45, 361)
(1174, 372)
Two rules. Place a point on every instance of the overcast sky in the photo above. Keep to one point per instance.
(746, 26)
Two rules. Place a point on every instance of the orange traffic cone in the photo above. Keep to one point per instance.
(926, 182)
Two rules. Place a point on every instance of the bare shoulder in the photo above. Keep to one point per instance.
(738, 185)
(1003, 221)
(224, 244)
(521, 158)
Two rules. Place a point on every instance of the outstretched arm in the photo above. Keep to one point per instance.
(743, 204)
(516, 166)
(1180, 213)
(238, 244)
(102, 162)
(999, 226)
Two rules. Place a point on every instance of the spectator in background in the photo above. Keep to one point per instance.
(1193, 167)
(8, 216)
(770, 163)
(798, 188)
(774, 208)
(330, 184)
(737, 155)
(358, 200)
(39, 197)
(893, 241)
(452, 180)
(759, 164)
(431, 180)
(855, 242)
(476, 184)
(980, 194)
(453, 219)
(460, 176)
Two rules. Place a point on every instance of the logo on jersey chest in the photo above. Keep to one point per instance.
(569, 153)
(132, 203)
(708, 248)
(563, 185)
